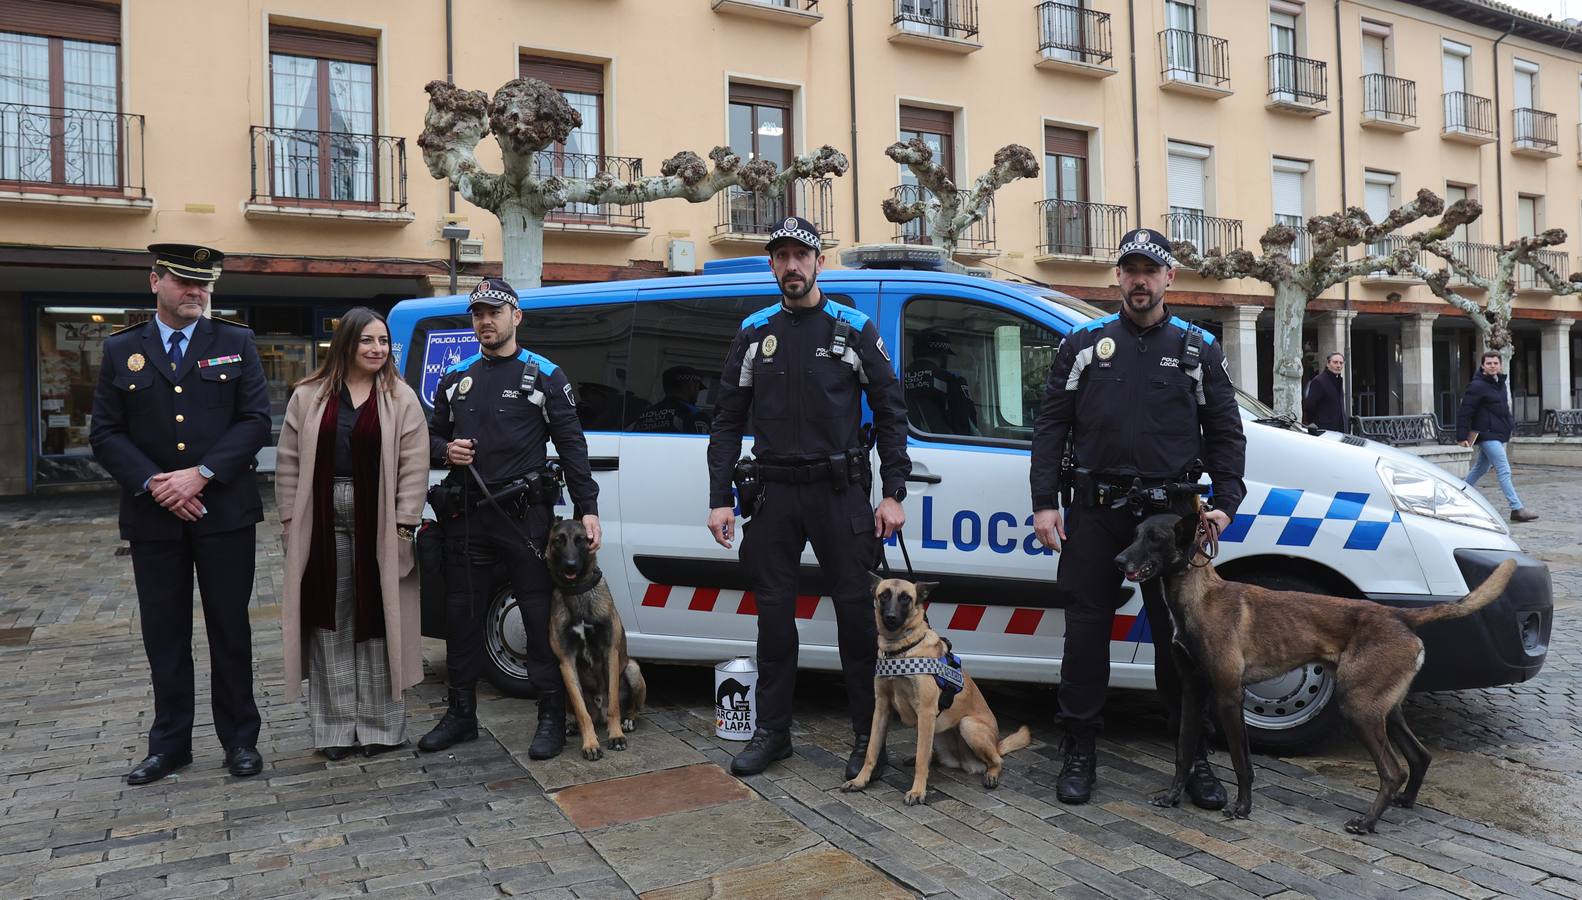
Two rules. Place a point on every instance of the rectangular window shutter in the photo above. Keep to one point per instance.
(565, 74)
(74, 19)
(1288, 193)
(758, 95)
(1373, 54)
(323, 44)
(934, 121)
(1065, 141)
(1186, 181)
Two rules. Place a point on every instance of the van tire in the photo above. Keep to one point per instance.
(1296, 712)
(505, 646)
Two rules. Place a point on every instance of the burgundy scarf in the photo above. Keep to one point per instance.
(318, 579)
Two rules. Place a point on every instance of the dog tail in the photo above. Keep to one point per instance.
(1016, 740)
(1481, 596)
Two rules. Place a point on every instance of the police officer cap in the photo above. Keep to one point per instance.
(677, 377)
(191, 261)
(493, 292)
(796, 228)
(1146, 242)
(931, 342)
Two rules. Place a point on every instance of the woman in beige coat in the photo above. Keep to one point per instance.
(350, 476)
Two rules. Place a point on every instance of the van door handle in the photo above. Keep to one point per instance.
(925, 478)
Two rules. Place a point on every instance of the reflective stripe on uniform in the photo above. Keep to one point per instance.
(746, 377)
(1083, 360)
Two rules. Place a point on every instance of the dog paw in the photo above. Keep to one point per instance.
(591, 752)
(913, 798)
(1404, 802)
(1238, 812)
(617, 743)
(1166, 799)
(853, 785)
(991, 781)
(628, 724)
(1360, 825)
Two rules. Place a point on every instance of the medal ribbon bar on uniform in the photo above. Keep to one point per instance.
(219, 361)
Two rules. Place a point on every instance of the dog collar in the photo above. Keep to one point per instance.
(939, 667)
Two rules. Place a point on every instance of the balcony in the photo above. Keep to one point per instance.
(1482, 259)
(1391, 244)
(949, 25)
(1297, 85)
(1073, 39)
(1194, 63)
(743, 217)
(1073, 231)
(977, 241)
(1469, 119)
(1302, 247)
(64, 157)
(606, 219)
(799, 13)
(1206, 233)
(1389, 103)
(1527, 279)
(299, 173)
(1535, 133)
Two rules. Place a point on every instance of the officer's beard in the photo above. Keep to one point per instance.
(803, 288)
(499, 343)
(1141, 303)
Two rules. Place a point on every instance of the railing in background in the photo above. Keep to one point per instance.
(1302, 247)
(591, 165)
(72, 150)
(1390, 98)
(1205, 232)
(1535, 129)
(1469, 113)
(946, 18)
(1527, 278)
(977, 238)
(740, 211)
(1393, 243)
(1296, 79)
(328, 168)
(1073, 33)
(1190, 56)
(1482, 259)
(1074, 228)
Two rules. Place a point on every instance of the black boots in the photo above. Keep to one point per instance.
(460, 722)
(550, 738)
(859, 755)
(1076, 773)
(765, 747)
(1203, 786)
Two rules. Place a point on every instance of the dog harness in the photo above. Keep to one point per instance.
(945, 669)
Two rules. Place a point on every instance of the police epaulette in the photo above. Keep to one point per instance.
(231, 322)
(126, 328)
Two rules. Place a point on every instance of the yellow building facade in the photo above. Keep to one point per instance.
(285, 134)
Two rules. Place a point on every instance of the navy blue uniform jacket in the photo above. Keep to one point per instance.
(213, 411)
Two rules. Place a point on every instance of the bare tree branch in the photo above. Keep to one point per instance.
(948, 211)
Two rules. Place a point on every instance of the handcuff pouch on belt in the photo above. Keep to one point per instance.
(850, 467)
(449, 497)
(749, 489)
(946, 671)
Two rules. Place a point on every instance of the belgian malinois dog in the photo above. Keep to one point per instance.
(586, 634)
(1234, 634)
(965, 735)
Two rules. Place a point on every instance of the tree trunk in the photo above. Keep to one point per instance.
(522, 249)
(1290, 308)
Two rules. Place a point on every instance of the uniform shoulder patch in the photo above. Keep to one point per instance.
(544, 365)
(856, 318)
(464, 364)
(1096, 324)
(760, 317)
(1184, 325)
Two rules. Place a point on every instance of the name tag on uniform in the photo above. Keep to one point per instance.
(219, 361)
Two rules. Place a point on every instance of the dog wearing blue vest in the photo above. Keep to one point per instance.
(919, 678)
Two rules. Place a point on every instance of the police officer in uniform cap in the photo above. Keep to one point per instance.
(935, 396)
(180, 412)
(677, 412)
(800, 369)
(493, 415)
(1143, 398)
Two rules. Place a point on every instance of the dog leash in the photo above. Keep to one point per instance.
(1208, 547)
(494, 501)
(884, 563)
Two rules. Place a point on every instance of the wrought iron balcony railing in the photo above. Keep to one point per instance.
(1302, 247)
(1388, 98)
(1535, 129)
(1296, 79)
(1073, 33)
(1392, 243)
(1481, 259)
(744, 212)
(1205, 232)
(978, 238)
(71, 150)
(945, 18)
(1074, 228)
(548, 163)
(1527, 278)
(1190, 56)
(299, 167)
(1469, 114)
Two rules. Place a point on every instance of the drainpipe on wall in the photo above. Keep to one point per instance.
(1340, 102)
(1137, 153)
(450, 78)
(1499, 158)
(851, 79)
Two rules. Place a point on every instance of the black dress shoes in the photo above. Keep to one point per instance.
(764, 748)
(376, 749)
(243, 761)
(336, 754)
(157, 766)
(1204, 787)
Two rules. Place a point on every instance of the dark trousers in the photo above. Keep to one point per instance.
(1091, 583)
(474, 545)
(840, 527)
(163, 571)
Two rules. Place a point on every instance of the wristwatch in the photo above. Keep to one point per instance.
(206, 472)
(406, 532)
(898, 495)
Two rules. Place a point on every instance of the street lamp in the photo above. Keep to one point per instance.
(453, 232)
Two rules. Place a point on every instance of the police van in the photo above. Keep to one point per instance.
(1324, 512)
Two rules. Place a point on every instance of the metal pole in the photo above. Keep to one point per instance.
(453, 266)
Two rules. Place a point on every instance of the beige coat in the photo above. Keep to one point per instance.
(403, 482)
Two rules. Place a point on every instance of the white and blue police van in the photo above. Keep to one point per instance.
(1325, 512)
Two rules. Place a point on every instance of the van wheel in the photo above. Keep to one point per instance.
(1294, 712)
(505, 646)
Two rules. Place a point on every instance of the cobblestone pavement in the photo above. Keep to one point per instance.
(1499, 814)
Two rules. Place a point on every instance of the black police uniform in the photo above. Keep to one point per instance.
(512, 406)
(211, 411)
(1136, 409)
(672, 415)
(803, 388)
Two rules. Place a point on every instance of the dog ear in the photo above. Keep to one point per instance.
(1186, 531)
(924, 588)
(873, 584)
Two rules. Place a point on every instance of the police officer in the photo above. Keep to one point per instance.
(493, 415)
(179, 414)
(936, 396)
(1143, 397)
(677, 412)
(800, 369)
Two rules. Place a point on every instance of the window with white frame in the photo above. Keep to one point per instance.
(1188, 191)
(1290, 201)
(1379, 192)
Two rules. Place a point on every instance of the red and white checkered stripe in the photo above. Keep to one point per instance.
(947, 617)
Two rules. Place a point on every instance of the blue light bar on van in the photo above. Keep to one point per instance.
(901, 256)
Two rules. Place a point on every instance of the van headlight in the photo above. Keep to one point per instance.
(1426, 493)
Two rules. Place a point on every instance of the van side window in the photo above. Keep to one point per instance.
(970, 370)
(678, 351)
(590, 342)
